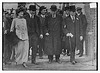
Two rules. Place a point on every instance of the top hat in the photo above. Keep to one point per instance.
(42, 7)
(67, 8)
(53, 8)
(79, 8)
(72, 8)
(32, 7)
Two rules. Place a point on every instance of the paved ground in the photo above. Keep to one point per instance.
(83, 64)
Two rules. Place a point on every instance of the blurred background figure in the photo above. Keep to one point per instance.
(84, 25)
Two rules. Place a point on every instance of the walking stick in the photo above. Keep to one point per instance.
(70, 41)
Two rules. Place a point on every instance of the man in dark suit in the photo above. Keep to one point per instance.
(33, 30)
(42, 16)
(65, 43)
(84, 26)
(73, 32)
(53, 35)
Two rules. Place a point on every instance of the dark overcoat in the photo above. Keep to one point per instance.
(84, 23)
(73, 27)
(53, 41)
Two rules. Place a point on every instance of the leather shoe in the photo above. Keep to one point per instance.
(34, 62)
(24, 65)
(80, 55)
(73, 62)
(58, 61)
(50, 61)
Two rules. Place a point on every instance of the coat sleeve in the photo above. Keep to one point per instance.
(40, 26)
(12, 25)
(46, 25)
(61, 26)
(64, 27)
(84, 21)
(80, 27)
(37, 26)
(6, 24)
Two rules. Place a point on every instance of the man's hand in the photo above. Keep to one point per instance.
(68, 34)
(5, 32)
(41, 36)
(81, 38)
(47, 34)
(71, 35)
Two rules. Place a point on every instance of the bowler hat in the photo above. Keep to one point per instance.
(72, 8)
(53, 8)
(67, 8)
(42, 7)
(79, 8)
(32, 7)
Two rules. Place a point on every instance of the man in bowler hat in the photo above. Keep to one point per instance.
(33, 31)
(53, 35)
(42, 16)
(84, 25)
(73, 32)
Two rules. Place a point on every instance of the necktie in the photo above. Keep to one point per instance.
(32, 16)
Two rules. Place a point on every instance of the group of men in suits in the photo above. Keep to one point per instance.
(48, 30)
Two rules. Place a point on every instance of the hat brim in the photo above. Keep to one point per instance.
(53, 9)
(79, 9)
(32, 9)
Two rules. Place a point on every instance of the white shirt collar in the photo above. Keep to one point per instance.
(72, 17)
(30, 15)
(78, 14)
(42, 15)
(67, 15)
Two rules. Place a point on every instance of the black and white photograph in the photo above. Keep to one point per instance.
(49, 36)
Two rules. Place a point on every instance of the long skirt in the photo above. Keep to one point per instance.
(21, 51)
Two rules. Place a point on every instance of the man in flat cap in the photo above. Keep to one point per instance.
(53, 35)
(33, 23)
(72, 31)
(42, 16)
(84, 26)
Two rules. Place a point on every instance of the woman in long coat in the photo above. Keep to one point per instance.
(53, 38)
(22, 47)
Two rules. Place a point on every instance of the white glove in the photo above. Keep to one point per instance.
(81, 38)
(47, 34)
(71, 35)
(68, 34)
(41, 36)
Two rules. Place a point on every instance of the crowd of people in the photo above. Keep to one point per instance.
(51, 33)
